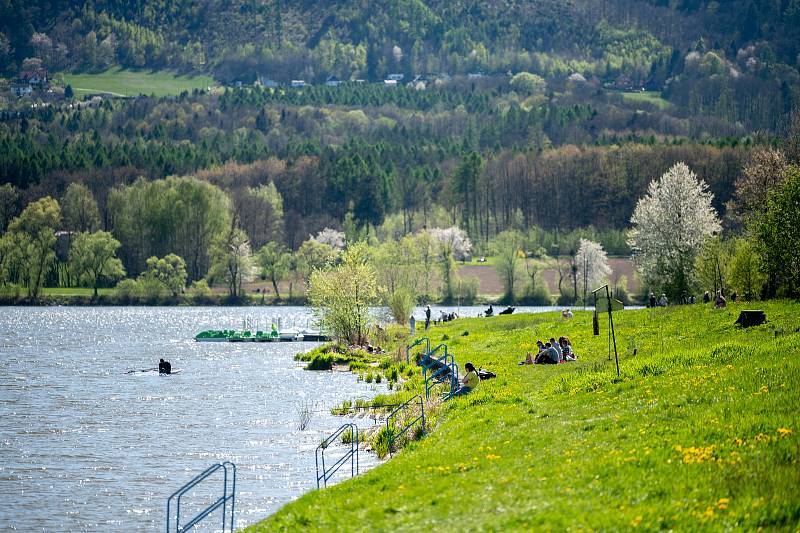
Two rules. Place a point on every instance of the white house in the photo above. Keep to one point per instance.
(395, 77)
(297, 84)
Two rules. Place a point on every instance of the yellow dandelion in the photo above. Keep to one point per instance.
(784, 432)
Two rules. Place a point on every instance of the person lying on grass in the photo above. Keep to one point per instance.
(469, 382)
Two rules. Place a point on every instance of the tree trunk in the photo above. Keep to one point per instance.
(275, 286)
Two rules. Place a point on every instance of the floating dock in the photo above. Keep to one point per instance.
(290, 335)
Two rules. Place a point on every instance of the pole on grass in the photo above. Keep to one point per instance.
(612, 337)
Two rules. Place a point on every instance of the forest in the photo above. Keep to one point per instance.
(514, 123)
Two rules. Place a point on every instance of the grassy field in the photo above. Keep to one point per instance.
(650, 97)
(75, 291)
(700, 432)
(119, 82)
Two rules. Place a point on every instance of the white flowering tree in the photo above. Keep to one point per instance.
(670, 224)
(453, 244)
(331, 237)
(592, 263)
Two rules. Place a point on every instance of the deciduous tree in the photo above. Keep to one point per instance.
(30, 240)
(342, 295)
(778, 236)
(275, 262)
(670, 224)
(508, 249)
(232, 262)
(93, 256)
(79, 209)
(593, 267)
(170, 271)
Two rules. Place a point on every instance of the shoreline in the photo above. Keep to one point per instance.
(699, 406)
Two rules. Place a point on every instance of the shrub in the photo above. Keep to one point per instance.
(321, 362)
(200, 291)
(128, 290)
(380, 442)
(467, 289)
(401, 303)
(369, 377)
(537, 295)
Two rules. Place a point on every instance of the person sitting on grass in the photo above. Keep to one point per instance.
(719, 301)
(548, 356)
(566, 349)
(566, 313)
(529, 359)
(469, 382)
(557, 346)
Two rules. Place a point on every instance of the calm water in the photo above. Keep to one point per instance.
(86, 447)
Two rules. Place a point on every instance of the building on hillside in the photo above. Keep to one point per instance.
(333, 81)
(390, 83)
(298, 84)
(577, 77)
(35, 78)
(30, 80)
(419, 83)
(395, 77)
(20, 88)
(267, 82)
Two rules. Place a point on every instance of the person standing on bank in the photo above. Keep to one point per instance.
(427, 316)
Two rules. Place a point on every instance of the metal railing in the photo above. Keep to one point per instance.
(419, 341)
(391, 436)
(222, 501)
(454, 386)
(434, 371)
(352, 454)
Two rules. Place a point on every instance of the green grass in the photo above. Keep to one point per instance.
(121, 82)
(700, 432)
(650, 97)
(75, 291)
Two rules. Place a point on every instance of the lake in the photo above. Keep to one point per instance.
(85, 446)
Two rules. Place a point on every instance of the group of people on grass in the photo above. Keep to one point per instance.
(719, 299)
(551, 353)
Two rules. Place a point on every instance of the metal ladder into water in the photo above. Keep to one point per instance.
(222, 501)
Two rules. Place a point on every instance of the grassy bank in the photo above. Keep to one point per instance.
(120, 82)
(701, 432)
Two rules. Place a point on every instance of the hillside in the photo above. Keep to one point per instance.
(633, 42)
(700, 432)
